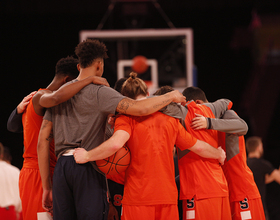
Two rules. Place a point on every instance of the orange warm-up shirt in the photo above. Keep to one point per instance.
(201, 177)
(240, 178)
(149, 179)
(31, 127)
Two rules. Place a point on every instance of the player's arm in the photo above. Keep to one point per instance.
(185, 141)
(150, 105)
(14, 123)
(106, 149)
(219, 107)
(43, 151)
(65, 92)
(204, 149)
(274, 176)
(230, 123)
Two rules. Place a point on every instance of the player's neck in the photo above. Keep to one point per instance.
(86, 72)
(254, 155)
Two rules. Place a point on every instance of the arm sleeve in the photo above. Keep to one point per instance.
(219, 107)
(176, 111)
(230, 123)
(14, 123)
(108, 99)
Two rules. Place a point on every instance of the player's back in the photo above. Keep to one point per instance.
(151, 145)
(201, 177)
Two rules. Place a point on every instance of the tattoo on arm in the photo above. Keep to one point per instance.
(124, 104)
(50, 136)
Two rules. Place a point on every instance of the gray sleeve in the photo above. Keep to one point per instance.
(230, 123)
(219, 107)
(108, 99)
(176, 111)
(14, 123)
(48, 114)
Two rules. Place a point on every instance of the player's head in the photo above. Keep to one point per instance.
(1, 151)
(92, 52)
(67, 67)
(134, 87)
(119, 83)
(163, 90)
(254, 144)
(196, 94)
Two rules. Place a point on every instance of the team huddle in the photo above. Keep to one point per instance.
(68, 125)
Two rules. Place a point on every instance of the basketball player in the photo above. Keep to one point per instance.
(79, 191)
(150, 190)
(203, 186)
(245, 199)
(30, 182)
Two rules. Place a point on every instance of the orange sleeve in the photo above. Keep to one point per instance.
(184, 139)
(123, 123)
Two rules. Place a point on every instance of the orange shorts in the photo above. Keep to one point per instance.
(151, 212)
(212, 208)
(247, 209)
(30, 189)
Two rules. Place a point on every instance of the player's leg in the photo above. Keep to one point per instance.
(30, 188)
(138, 212)
(166, 212)
(211, 208)
(90, 192)
(63, 201)
(247, 209)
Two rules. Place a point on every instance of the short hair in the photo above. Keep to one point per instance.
(1, 150)
(89, 50)
(119, 83)
(194, 93)
(134, 86)
(252, 143)
(163, 90)
(67, 67)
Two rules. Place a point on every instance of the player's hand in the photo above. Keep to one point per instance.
(100, 81)
(199, 122)
(47, 201)
(81, 155)
(111, 120)
(178, 97)
(23, 104)
(222, 157)
(113, 213)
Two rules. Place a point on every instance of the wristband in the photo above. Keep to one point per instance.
(209, 123)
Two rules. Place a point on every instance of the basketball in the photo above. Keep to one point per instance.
(115, 164)
(139, 64)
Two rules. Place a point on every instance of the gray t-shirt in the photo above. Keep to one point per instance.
(80, 121)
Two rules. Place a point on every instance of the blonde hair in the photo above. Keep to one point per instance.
(134, 87)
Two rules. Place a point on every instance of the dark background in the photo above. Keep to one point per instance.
(236, 51)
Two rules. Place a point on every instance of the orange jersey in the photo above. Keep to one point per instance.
(31, 127)
(239, 176)
(149, 179)
(201, 177)
(30, 185)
